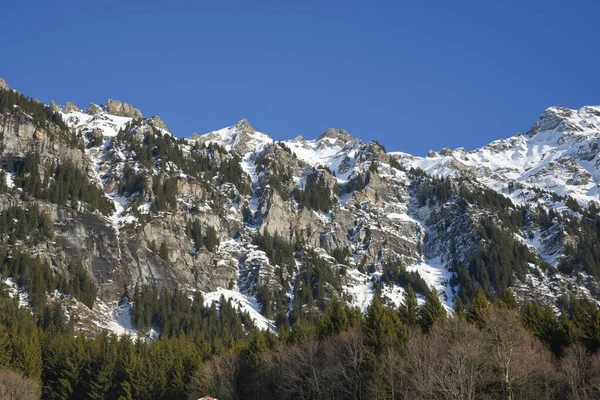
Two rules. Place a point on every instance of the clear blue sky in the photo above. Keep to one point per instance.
(414, 75)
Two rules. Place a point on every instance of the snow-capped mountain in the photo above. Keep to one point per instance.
(559, 153)
(282, 227)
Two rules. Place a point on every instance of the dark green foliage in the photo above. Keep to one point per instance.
(311, 286)
(382, 328)
(337, 318)
(395, 272)
(433, 188)
(172, 313)
(585, 255)
(25, 225)
(163, 251)
(41, 114)
(394, 163)
(279, 251)
(500, 259)
(133, 182)
(279, 175)
(316, 194)
(64, 184)
(165, 194)
(341, 254)
(203, 163)
(357, 183)
(281, 254)
(210, 240)
(409, 310)
(194, 232)
(573, 205)
(431, 312)
(37, 277)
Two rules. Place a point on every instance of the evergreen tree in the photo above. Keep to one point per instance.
(431, 312)
(409, 308)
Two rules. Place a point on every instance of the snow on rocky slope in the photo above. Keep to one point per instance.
(376, 216)
(559, 154)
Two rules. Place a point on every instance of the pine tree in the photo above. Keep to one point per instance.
(382, 328)
(478, 310)
(163, 252)
(409, 307)
(431, 312)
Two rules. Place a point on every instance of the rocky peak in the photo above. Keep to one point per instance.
(71, 107)
(116, 107)
(3, 84)
(159, 123)
(54, 106)
(94, 109)
(243, 126)
(555, 119)
(341, 135)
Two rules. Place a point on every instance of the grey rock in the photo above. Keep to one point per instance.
(70, 107)
(116, 107)
(94, 109)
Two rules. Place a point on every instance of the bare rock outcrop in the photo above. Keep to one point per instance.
(71, 107)
(116, 107)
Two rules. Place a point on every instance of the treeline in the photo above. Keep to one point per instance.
(64, 184)
(416, 352)
(316, 194)
(39, 280)
(487, 351)
(163, 151)
(41, 114)
(200, 237)
(25, 225)
(172, 313)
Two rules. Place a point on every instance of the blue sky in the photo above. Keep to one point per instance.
(413, 75)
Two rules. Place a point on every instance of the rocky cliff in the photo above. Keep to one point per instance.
(287, 226)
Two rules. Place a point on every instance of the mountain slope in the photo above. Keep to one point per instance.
(282, 228)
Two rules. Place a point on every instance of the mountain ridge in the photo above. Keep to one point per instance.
(267, 222)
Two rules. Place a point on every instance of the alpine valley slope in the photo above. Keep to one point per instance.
(281, 228)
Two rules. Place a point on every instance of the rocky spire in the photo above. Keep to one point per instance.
(159, 123)
(336, 134)
(243, 126)
(115, 107)
(71, 107)
(3, 84)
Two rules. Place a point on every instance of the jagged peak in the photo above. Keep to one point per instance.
(244, 126)
(562, 119)
(122, 109)
(336, 134)
(3, 84)
(159, 123)
(71, 107)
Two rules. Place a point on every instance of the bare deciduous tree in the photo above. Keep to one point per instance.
(13, 386)
(448, 363)
(520, 364)
(581, 373)
(216, 377)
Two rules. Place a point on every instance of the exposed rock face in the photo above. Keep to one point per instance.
(20, 134)
(70, 107)
(122, 109)
(55, 106)
(159, 123)
(366, 206)
(94, 109)
(3, 84)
